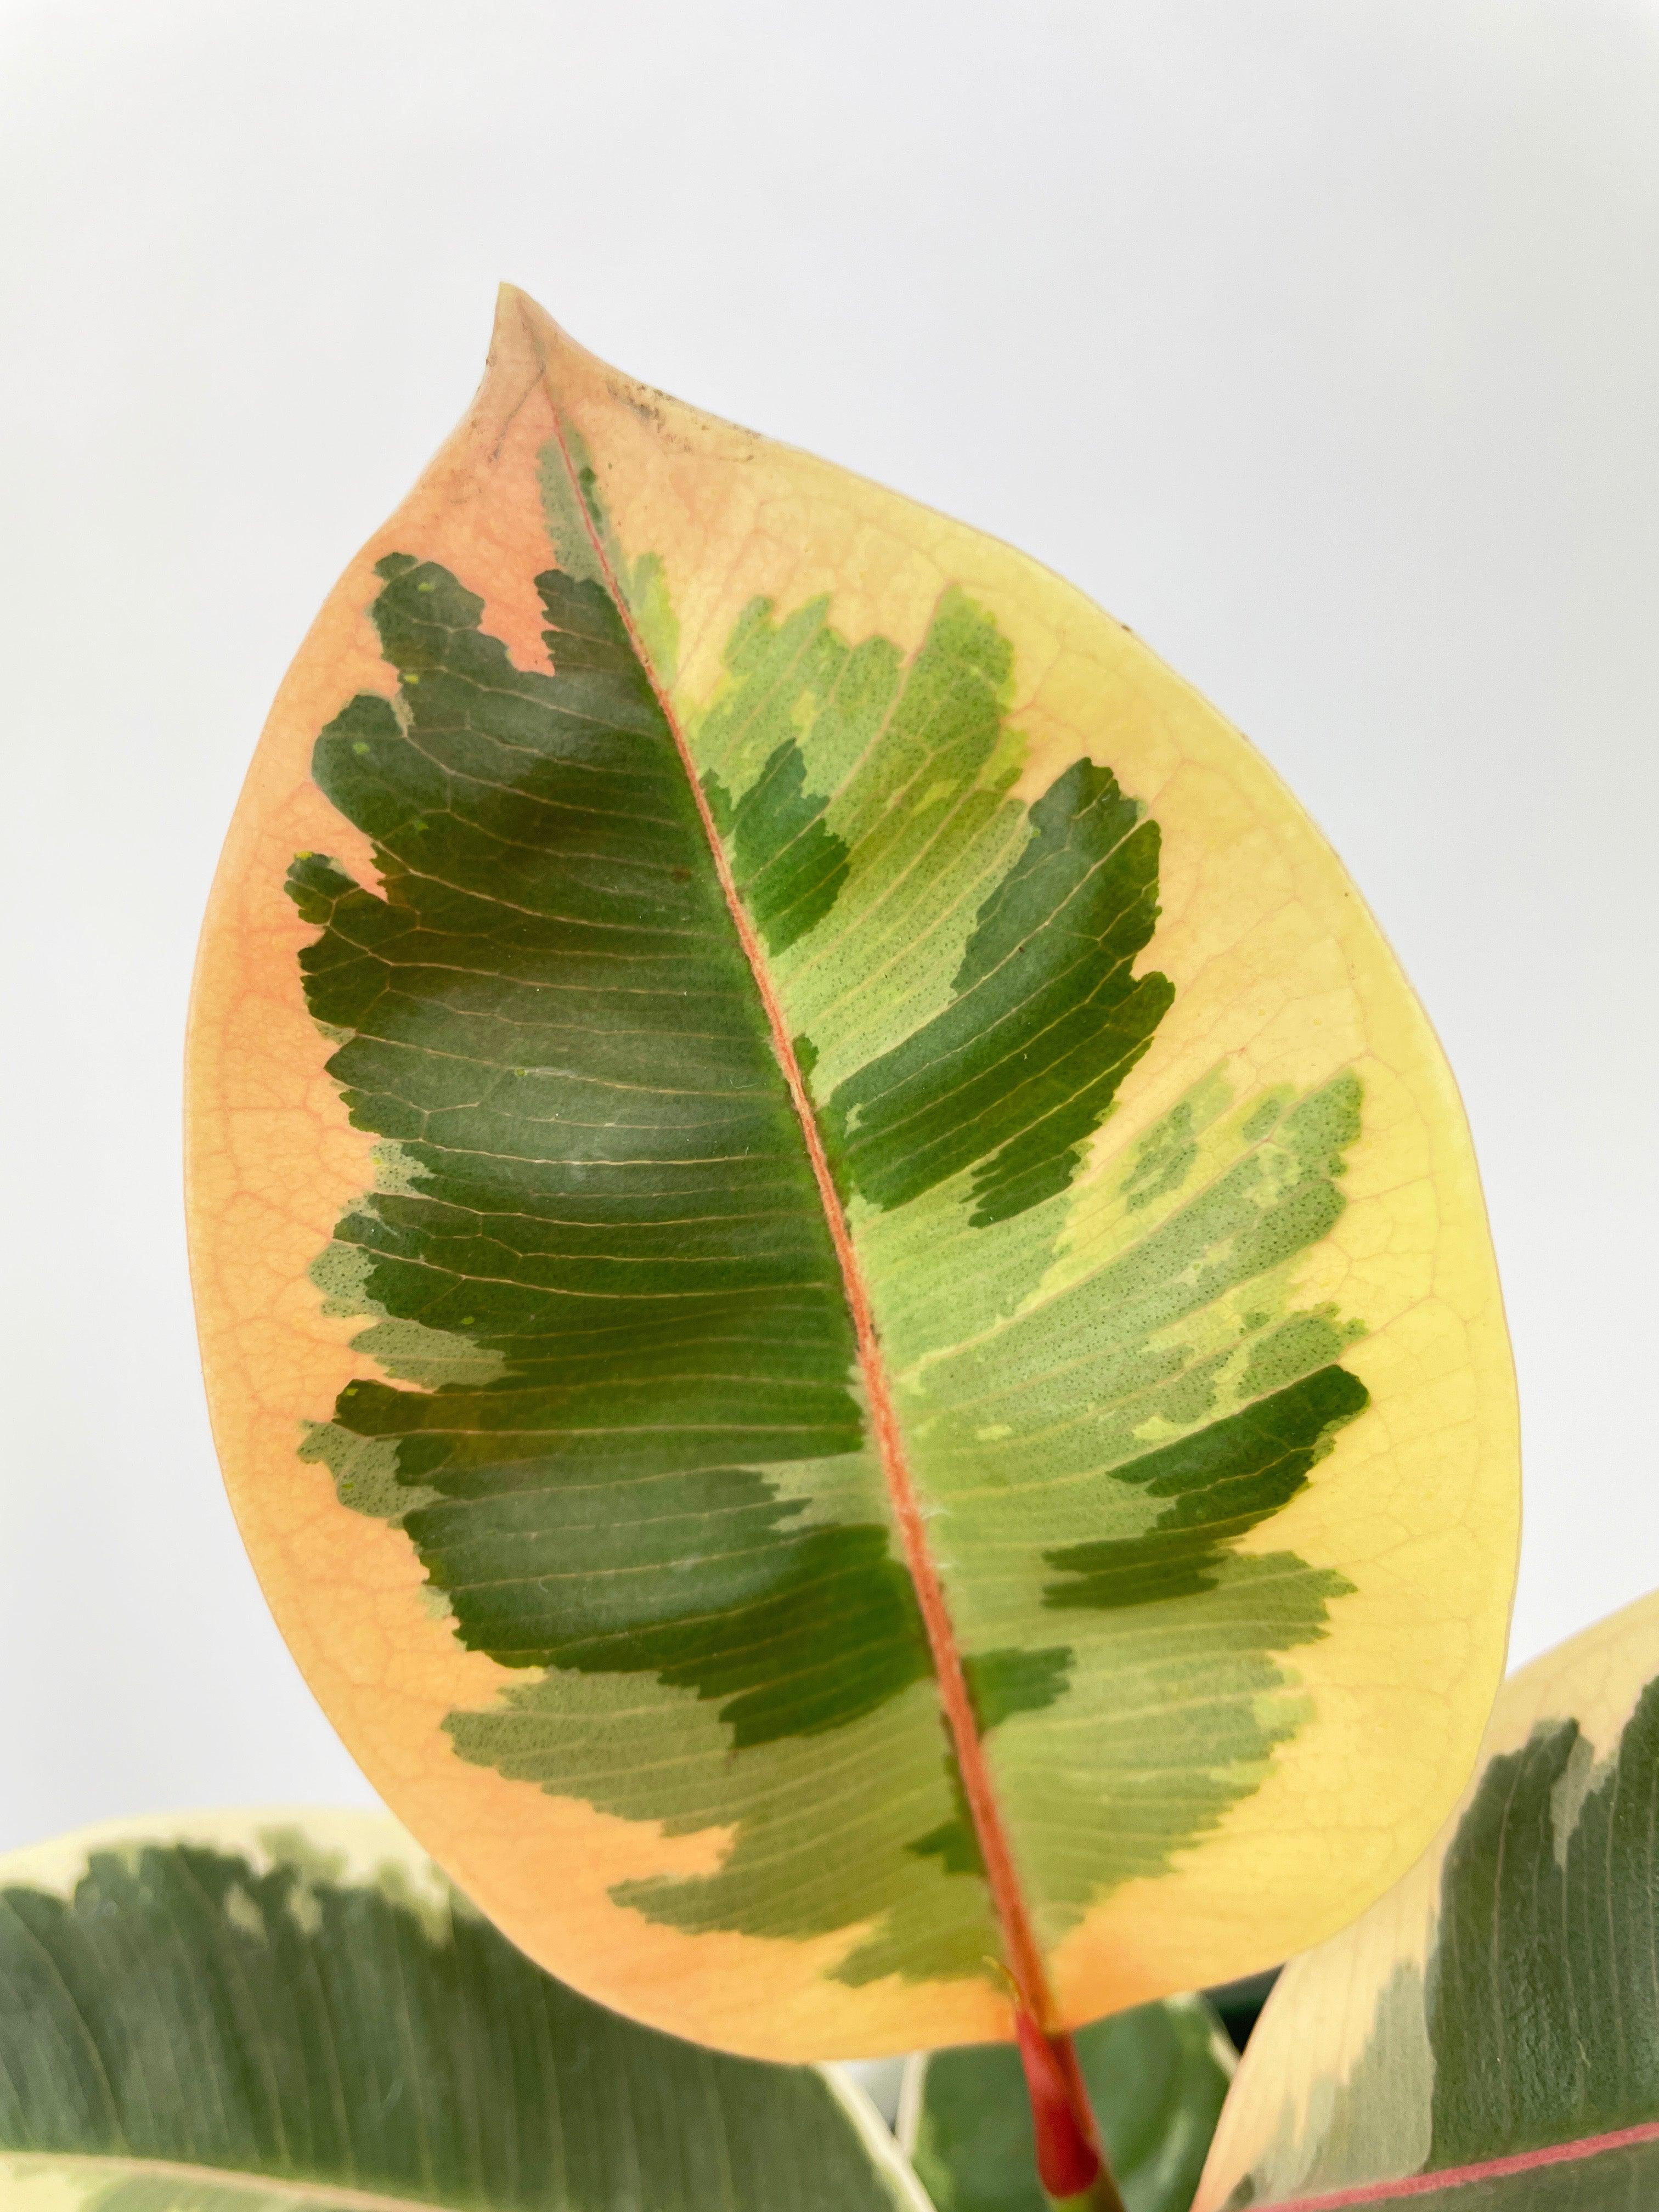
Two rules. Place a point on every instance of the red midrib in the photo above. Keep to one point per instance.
(1462, 2177)
(1023, 1957)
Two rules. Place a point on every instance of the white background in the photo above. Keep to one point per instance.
(1318, 339)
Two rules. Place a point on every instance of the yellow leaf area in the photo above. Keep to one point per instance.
(1280, 979)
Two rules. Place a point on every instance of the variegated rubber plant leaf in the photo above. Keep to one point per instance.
(847, 1306)
(292, 2011)
(1485, 2039)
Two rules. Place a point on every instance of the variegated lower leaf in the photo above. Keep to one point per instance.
(845, 1302)
(289, 2011)
(1488, 2033)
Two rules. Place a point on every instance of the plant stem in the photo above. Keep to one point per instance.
(1071, 2163)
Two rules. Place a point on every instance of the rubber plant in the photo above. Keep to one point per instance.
(845, 1298)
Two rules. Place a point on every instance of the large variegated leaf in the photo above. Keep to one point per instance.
(1488, 2033)
(847, 1306)
(293, 2012)
(1156, 2078)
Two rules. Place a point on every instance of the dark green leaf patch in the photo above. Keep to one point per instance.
(697, 1579)
(604, 1185)
(1003, 1683)
(789, 867)
(1021, 1067)
(1223, 1481)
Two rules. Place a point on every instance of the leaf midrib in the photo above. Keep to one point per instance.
(1024, 1958)
(1573, 2152)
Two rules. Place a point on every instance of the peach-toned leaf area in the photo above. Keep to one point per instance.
(846, 1301)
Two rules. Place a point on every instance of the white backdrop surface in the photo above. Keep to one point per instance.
(1319, 342)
